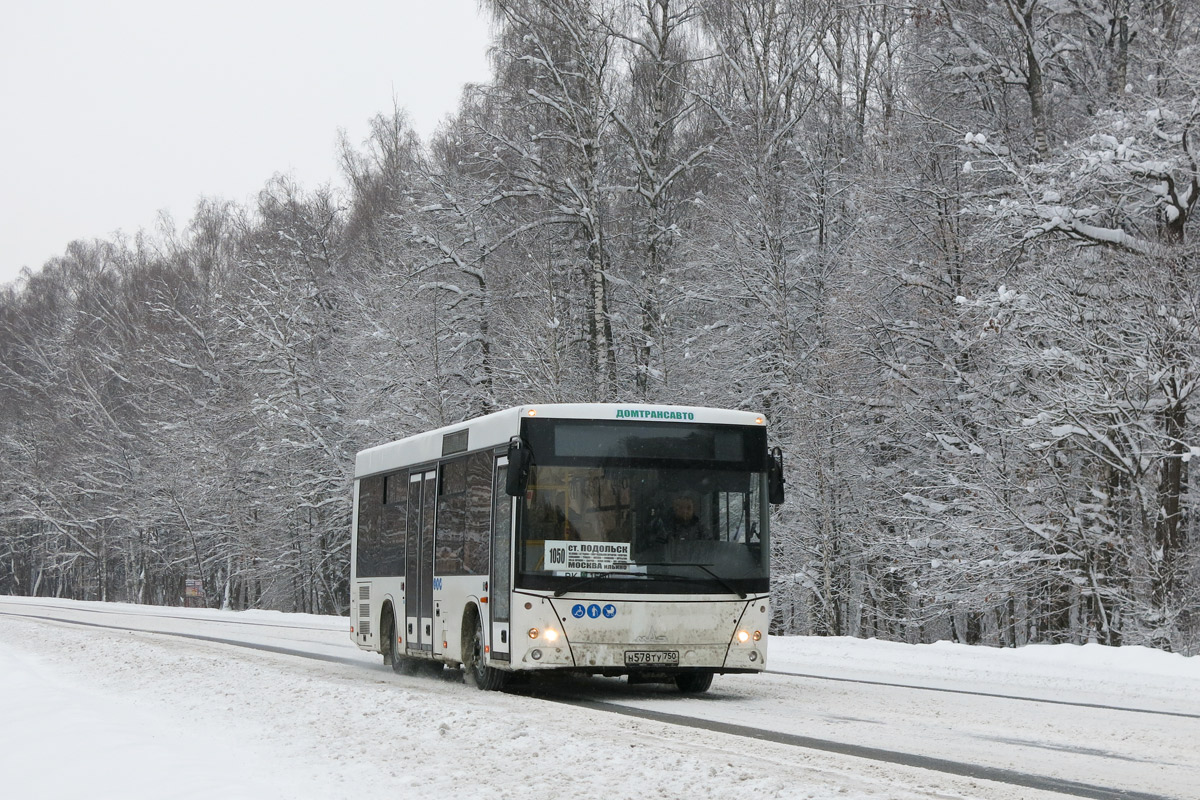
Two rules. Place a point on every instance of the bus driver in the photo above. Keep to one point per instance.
(681, 524)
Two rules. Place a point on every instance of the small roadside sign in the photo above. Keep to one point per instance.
(193, 592)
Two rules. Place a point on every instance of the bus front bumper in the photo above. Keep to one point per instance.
(632, 658)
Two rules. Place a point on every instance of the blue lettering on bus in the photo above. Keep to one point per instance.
(610, 611)
(437, 584)
(578, 611)
(593, 611)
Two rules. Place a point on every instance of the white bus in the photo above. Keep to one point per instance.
(594, 538)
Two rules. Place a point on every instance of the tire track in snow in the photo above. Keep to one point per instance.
(269, 648)
(987, 694)
(1004, 776)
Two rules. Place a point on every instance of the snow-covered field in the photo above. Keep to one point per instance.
(121, 712)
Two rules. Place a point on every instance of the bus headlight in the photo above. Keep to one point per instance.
(550, 634)
(743, 637)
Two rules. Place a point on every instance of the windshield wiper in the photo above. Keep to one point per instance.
(705, 567)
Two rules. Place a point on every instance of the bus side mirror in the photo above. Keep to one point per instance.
(519, 459)
(774, 477)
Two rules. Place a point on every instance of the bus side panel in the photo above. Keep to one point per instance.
(452, 596)
(377, 557)
(361, 616)
(370, 596)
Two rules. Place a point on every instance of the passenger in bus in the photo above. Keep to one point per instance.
(547, 521)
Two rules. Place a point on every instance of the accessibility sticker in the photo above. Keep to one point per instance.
(609, 611)
(577, 611)
(593, 611)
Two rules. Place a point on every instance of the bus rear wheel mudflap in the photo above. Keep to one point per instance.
(392, 651)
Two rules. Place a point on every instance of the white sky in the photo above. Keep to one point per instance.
(112, 110)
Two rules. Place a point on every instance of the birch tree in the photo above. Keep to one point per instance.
(555, 71)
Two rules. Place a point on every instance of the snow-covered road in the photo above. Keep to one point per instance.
(106, 709)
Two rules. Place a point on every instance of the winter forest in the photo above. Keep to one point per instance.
(947, 247)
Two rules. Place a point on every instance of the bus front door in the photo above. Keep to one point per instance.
(418, 596)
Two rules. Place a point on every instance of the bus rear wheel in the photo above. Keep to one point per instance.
(693, 682)
(475, 664)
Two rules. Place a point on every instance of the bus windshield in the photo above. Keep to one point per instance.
(636, 508)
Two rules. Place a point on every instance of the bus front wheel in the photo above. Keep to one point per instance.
(693, 682)
(475, 663)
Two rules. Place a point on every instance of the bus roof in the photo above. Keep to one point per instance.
(496, 429)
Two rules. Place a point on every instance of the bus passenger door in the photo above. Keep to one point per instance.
(418, 596)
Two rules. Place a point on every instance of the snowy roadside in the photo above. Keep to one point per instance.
(1124, 676)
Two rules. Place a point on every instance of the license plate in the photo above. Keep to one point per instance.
(664, 657)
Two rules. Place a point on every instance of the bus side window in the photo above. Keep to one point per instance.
(394, 524)
(370, 525)
(475, 531)
(733, 517)
(451, 517)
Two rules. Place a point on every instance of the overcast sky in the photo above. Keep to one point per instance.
(111, 110)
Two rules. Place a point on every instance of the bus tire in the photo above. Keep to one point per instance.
(474, 661)
(693, 682)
